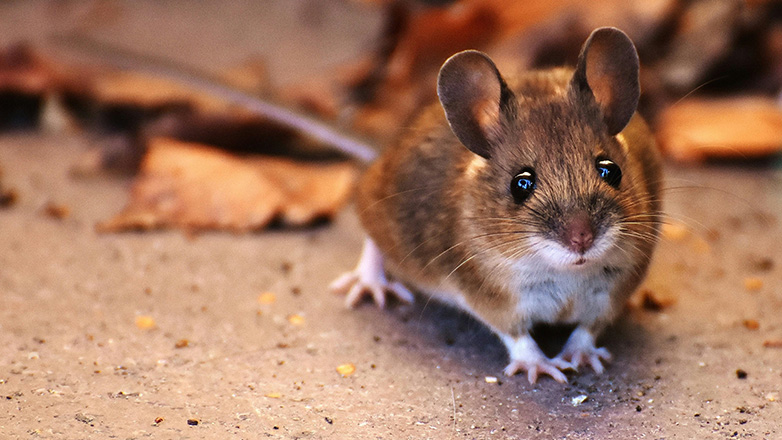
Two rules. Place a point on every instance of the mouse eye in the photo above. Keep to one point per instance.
(522, 185)
(609, 171)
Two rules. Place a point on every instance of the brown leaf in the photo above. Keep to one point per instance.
(196, 187)
(738, 128)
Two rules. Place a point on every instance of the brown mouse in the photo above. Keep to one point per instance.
(525, 200)
(531, 200)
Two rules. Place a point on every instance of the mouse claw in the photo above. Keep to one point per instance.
(535, 369)
(343, 283)
(526, 356)
(379, 289)
(369, 278)
(580, 350)
(359, 289)
(563, 364)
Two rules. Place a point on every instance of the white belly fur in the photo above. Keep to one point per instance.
(543, 293)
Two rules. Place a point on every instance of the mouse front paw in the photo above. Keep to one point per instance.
(369, 277)
(536, 367)
(580, 350)
(526, 356)
(357, 286)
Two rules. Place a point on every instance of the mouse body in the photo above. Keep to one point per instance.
(521, 200)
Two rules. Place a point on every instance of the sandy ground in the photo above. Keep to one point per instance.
(74, 364)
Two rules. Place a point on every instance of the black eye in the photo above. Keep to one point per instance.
(522, 185)
(609, 171)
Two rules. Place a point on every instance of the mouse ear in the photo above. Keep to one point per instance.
(471, 92)
(607, 70)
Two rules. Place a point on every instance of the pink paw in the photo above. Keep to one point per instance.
(369, 277)
(357, 287)
(580, 350)
(592, 357)
(539, 366)
(526, 356)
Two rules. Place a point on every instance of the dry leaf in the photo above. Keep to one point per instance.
(738, 128)
(195, 187)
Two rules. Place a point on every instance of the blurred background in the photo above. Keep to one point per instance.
(711, 69)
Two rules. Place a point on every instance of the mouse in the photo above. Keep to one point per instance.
(520, 200)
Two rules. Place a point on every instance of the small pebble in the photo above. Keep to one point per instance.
(346, 370)
(145, 322)
(753, 284)
(267, 298)
(296, 319)
(751, 324)
(578, 400)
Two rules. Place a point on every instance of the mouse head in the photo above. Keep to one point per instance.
(550, 160)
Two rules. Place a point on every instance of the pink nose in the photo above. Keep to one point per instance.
(578, 234)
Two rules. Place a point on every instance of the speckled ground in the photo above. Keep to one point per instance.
(74, 364)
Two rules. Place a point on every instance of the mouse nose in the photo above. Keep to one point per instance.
(578, 233)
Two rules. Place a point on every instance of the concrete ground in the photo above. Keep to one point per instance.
(219, 363)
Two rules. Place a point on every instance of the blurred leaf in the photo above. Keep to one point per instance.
(195, 187)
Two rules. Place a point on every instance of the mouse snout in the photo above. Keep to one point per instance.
(578, 235)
